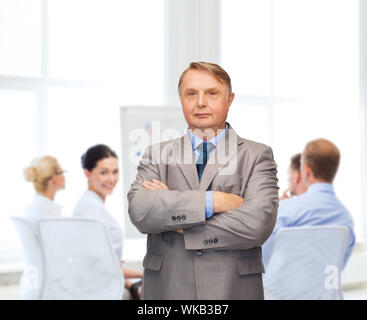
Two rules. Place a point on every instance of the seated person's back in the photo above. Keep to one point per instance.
(47, 177)
(319, 206)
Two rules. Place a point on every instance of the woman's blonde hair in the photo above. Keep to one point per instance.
(41, 171)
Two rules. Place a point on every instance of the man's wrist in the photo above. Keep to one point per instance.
(225, 202)
(209, 205)
(217, 196)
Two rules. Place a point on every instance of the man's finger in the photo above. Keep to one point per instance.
(147, 186)
(152, 186)
(161, 184)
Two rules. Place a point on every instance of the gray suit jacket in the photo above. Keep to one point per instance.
(218, 258)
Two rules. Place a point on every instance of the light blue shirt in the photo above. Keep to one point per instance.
(319, 206)
(195, 143)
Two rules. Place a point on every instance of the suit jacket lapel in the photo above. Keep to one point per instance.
(184, 158)
(225, 151)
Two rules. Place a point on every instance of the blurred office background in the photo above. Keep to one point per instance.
(298, 68)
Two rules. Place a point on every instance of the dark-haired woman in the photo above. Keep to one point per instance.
(100, 166)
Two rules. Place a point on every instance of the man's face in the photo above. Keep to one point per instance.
(204, 100)
(293, 175)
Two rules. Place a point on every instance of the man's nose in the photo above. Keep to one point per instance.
(202, 100)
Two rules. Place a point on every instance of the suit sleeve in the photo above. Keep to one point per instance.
(250, 224)
(163, 210)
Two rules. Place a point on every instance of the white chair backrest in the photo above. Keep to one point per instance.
(306, 263)
(79, 261)
(32, 278)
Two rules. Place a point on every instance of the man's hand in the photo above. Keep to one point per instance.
(224, 202)
(285, 195)
(154, 185)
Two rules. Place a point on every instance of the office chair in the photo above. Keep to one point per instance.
(32, 278)
(306, 264)
(79, 261)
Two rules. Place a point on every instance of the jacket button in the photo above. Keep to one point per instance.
(183, 217)
(215, 240)
(205, 242)
(173, 218)
(178, 218)
(211, 241)
(199, 252)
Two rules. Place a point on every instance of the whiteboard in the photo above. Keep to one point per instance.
(142, 126)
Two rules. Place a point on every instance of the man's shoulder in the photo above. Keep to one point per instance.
(162, 144)
(251, 144)
(253, 147)
(255, 144)
(165, 151)
(243, 144)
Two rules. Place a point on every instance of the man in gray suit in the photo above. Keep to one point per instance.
(207, 200)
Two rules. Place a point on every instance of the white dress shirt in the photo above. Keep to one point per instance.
(319, 206)
(91, 206)
(42, 208)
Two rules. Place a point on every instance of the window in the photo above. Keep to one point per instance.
(20, 37)
(66, 66)
(299, 64)
(18, 131)
(246, 45)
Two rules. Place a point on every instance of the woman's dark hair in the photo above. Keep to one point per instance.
(94, 154)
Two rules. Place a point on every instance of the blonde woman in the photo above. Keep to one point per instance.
(47, 177)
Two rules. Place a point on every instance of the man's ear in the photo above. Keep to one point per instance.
(230, 99)
(308, 171)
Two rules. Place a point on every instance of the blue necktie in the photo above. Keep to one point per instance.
(205, 148)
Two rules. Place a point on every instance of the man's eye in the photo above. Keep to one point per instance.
(103, 172)
(191, 93)
(212, 93)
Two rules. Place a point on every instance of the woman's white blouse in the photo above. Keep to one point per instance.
(91, 206)
(42, 208)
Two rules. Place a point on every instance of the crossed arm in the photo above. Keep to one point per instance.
(222, 202)
(237, 223)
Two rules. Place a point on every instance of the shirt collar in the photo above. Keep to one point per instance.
(94, 195)
(321, 187)
(196, 141)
